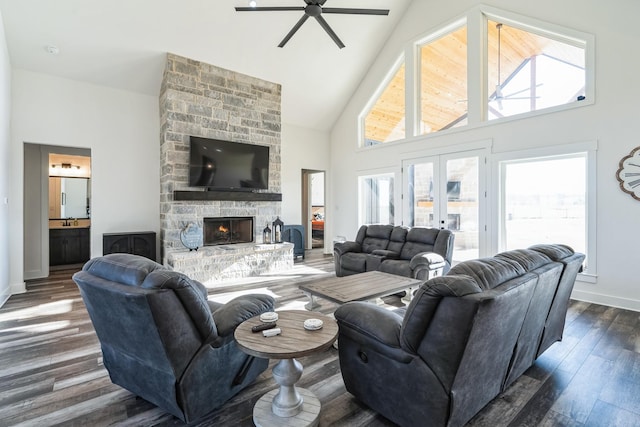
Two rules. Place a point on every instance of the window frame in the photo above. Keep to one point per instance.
(364, 174)
(588, 149)
(393, 70)
(477, 65)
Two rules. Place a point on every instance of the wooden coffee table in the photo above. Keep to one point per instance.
(298, 406)
(357, 287)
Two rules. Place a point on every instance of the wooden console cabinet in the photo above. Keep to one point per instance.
(68, 246)
(137, 243)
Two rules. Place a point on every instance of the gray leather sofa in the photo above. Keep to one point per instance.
(416, 252)
(462, 340)
(162, 339)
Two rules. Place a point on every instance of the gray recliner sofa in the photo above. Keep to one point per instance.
(417, 252)
(162, 339)
(462, 340)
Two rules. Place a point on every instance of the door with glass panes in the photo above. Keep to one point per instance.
(444, 192)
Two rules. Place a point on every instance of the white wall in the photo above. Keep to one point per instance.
(610, 121)
(122, 131)
(5, 170)
(302, 149)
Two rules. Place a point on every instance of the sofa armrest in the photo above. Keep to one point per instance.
(426, 265)
(239, 309)
(343, 247)
(373, 326)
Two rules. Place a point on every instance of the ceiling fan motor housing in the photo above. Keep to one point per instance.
(313, 10)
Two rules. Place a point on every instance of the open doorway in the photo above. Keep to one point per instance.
(313, 207)
(57, 200)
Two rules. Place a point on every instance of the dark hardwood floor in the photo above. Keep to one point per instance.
(51, 370)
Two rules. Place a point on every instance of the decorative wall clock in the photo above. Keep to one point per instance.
(629, 173)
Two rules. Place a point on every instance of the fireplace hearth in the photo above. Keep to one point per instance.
(227, 230)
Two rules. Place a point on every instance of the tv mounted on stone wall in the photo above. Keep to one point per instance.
(225, 165)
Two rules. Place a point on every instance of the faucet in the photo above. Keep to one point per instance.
(66, 223)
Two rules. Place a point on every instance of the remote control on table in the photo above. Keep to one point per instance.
(264, 326)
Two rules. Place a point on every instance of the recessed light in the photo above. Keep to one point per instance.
(253, 3)
(53, 50)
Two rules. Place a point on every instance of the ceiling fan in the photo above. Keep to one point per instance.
(498, 96)
(314, 9)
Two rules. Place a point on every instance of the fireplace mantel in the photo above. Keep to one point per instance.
(247, 196)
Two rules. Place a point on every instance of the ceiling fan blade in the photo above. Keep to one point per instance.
(355, 11)
(268, 9)
(329, 31)
(293, 30)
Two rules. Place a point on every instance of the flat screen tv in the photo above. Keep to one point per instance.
(226, 165)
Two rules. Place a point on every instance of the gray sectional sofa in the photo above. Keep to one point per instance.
(417, 252)
(463, 339)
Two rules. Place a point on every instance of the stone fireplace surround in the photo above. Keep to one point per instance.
(204, 100)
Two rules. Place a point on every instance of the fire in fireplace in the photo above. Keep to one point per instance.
(227, 230)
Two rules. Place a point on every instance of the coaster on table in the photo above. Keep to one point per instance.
(270, 316)
(312, 324)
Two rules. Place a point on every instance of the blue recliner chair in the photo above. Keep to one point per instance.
(162, 339)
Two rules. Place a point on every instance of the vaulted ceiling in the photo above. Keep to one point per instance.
(122, 44)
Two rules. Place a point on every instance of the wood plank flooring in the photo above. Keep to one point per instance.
(51, 370)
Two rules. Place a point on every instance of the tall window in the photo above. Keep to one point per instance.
(443, 82)
(545, 201)
(529, 72)
(385, 121)
(376, 199)
(461, 77)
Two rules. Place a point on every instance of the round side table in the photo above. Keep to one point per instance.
(300, 406)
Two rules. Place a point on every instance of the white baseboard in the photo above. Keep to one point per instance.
(592, 297)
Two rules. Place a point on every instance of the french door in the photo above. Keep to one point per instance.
(447, 192)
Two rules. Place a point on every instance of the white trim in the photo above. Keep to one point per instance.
(400, 60)
(477, 85)
(606, 300)
(586, 148)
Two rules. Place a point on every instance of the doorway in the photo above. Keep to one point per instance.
(313, 208)
(56, 174)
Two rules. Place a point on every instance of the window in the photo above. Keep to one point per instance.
(545, 200)
(376, 199)
(529, 72)
(385, 121)
(443, 82)
(459, 76)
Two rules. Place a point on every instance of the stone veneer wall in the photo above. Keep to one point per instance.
(204, 100)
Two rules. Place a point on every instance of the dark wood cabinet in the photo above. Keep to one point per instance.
(137, 243)
(69, 246)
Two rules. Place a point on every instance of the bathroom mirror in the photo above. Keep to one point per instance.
(69, 197)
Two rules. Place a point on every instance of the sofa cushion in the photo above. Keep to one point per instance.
(419, 239)
(377, 237)
(489, 273)
(398, 238)
(425, 303)
(396, 266)
(122, 268)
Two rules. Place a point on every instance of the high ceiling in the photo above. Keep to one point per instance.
(122, 44)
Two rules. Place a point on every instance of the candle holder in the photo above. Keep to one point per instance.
(266, 234)
(277, 230)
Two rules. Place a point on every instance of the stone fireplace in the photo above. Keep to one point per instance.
(227, 230)
(199, 99)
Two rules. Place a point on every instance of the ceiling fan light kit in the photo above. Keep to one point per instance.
(314, 9)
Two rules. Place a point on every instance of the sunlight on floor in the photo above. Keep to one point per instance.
(40, 327)
(224, 298)
(58, 307)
